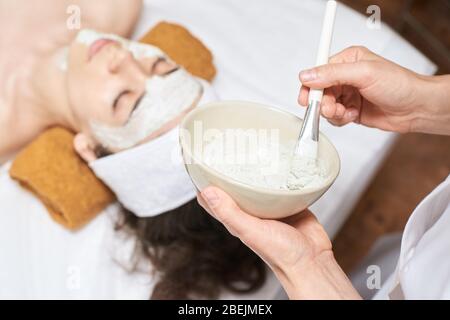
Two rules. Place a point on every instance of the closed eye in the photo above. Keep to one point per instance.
(159, 61)
(136, 104)
(117, 99)
(156, 63)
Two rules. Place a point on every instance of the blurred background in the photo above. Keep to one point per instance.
(406, 176)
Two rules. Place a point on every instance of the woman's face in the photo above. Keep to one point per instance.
(105, 82)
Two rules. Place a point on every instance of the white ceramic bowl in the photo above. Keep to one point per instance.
(258, 201)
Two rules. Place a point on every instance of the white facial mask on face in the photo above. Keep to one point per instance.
(150, 179)
(88, 37)
(166, 97)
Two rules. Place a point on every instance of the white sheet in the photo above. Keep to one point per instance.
(40, 259)
(259, 47)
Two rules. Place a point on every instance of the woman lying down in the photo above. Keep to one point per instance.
(125, 100)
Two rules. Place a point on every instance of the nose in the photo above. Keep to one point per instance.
(119, 57)
(124, 64)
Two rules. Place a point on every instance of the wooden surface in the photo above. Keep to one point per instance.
(433, 16)
(417, 164)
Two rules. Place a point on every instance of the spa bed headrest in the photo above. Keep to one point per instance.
(49, 166)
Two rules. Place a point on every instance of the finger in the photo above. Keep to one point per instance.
(296, 217)
(304, 219)
(328, 105)
(303, 96)
(354, 74)
(350, 115)
(350, 54)
(224, 209)
(340, 111)
(204, 205)
(331, 109)
(252, 231)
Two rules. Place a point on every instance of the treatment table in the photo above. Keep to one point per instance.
(259, 47)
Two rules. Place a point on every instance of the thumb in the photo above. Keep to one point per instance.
(224, 209)
(356, 74)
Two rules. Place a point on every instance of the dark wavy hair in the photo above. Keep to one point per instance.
(193, 254)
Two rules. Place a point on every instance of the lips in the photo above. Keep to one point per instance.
(97, 46)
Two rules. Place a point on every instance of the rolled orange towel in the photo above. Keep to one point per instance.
(183, 48)
(51, 169)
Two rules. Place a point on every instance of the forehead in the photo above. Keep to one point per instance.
(138, 49)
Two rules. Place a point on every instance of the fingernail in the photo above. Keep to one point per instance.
(353, 114)
(308, 75)
(211, 198)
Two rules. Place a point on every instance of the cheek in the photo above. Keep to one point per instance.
(77, 75)
(89, 100)
(89, 88)
(77, 57)
(82, 95)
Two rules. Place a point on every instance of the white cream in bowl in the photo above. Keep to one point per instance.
(245, 157)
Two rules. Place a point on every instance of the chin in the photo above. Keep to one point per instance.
(77, 57)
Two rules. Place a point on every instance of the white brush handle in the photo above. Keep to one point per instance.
(307, 145)
(324, 45)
